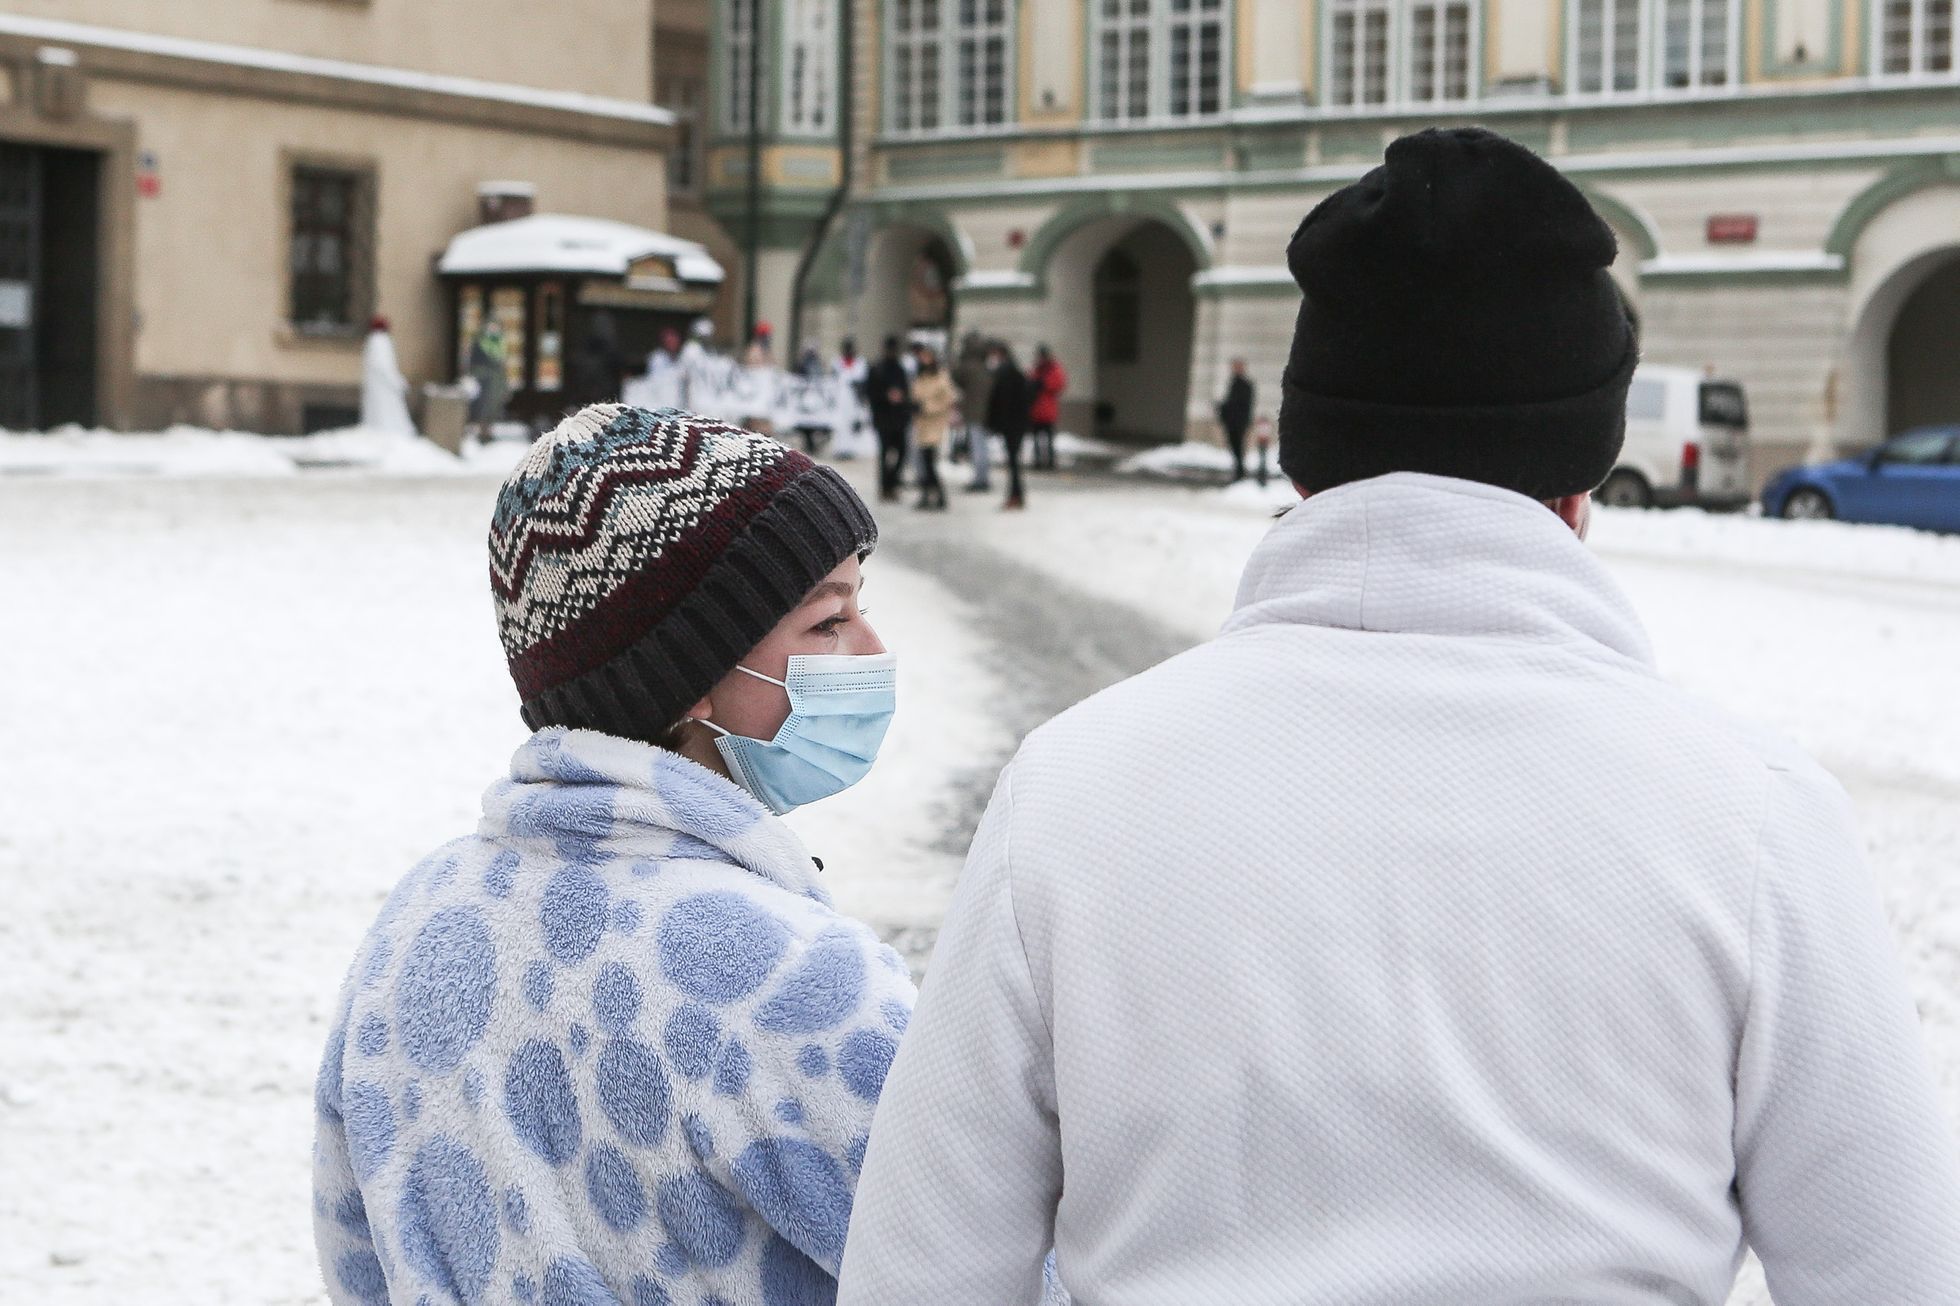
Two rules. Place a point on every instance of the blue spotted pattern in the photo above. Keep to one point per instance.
(608, 1003)
(615, 998)
(634, 1091)
(691, 1038)
(443, 994)
(539, 982)
(789, 1278)
(820, 992)
(732, 1069)
(574, 1281)
(863, 1061)
(704, 1219)
(448, 1219)
(372, 1038)
(800, 1190)
(719, 947)
(615, 1189)
(538, 1099)
(573, 915)
(370, 1128)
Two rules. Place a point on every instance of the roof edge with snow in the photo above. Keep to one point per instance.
(567, 243)
(279, 61)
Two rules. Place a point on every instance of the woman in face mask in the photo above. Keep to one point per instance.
(616, 1045)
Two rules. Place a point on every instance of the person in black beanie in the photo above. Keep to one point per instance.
(1459, 319)
(1415, 941)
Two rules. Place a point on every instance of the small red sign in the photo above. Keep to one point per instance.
(1732, 229)
(149, 185)
(1016, 238)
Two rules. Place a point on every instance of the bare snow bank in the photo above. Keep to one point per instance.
(193, 451)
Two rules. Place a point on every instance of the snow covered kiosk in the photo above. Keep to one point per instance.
(573, 296)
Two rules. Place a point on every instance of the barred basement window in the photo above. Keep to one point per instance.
(1605, 46)
(1697, 44)
(737, 47)
(1159, 58)
(332, 222)
(1915, 37)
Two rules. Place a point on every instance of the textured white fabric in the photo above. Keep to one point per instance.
(1412, 943)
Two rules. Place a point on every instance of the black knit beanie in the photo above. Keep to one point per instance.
(636, 557)
(1459, 319)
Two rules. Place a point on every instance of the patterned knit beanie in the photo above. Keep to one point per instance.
(637, 556)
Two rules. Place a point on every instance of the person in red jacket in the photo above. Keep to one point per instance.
(1046, 380)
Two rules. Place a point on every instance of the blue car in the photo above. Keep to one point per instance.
(1910, 480)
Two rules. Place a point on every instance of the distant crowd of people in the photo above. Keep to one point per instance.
(910, 403)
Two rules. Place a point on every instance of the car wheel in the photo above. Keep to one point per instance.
(1808, 505)
(1625, 489)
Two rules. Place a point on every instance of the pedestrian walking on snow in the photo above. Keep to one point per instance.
(1414, 942)
(935, 398)
(975, 380)
(1046, 382)
(616, 1045)
(1007, 413)
(1235, 416)
(384, 390)
(888, 389)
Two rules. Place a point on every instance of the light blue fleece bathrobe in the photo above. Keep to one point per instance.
(615, 1049)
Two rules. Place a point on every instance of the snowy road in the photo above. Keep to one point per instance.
(239, 709)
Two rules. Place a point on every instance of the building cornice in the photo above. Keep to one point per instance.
(1604, 163)
(123, 55)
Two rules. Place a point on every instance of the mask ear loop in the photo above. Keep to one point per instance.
(780, 684)
(703, 721)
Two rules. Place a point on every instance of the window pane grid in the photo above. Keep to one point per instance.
(740, 43)
(948, 62)
(1915, 37)
(1606, 51)
(1159, 58)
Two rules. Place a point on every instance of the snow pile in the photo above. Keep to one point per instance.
(1180, 462)
(255, 705)
(190, 451)
(1072, 450)
(1820, 547)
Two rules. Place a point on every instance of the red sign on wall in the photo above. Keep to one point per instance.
(1732, 229)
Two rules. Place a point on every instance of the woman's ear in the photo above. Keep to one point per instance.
(702, 711)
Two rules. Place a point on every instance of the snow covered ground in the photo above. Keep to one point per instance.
(243, 704)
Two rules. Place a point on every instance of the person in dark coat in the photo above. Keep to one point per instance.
(597, 370)
(1007, 413)
(1235, 415)
(888, 389)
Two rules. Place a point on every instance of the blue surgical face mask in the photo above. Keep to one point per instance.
(839, 708)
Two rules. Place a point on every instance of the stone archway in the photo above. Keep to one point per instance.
(910, 274)
(1119, 312)
(1903, 289)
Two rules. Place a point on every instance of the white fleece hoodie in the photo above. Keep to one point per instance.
(1412, 942)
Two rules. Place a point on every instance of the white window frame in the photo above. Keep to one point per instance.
(736, 41)
(810, 101)
(908, 49)
(1399, 82)
(1916, 45)
(1157, 25)
(1650, 61)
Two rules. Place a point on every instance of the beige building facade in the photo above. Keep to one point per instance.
(207, 202)
(1119, 178)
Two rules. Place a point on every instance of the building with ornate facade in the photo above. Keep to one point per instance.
(202, 203)
(1119, 178)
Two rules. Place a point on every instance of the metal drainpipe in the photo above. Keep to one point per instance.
(847, 113)
(754, 234)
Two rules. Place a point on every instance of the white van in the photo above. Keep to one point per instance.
(1687, 442)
